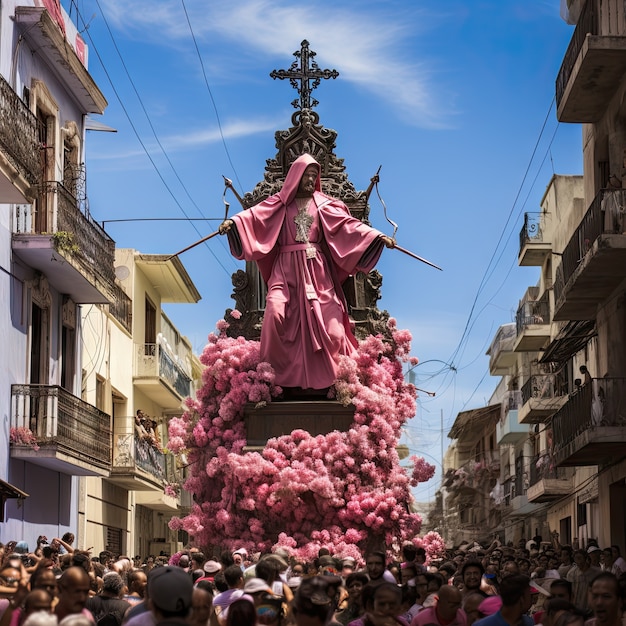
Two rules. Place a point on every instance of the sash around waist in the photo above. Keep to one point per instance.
(294, 247)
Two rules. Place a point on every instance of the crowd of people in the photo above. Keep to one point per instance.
(471, 585)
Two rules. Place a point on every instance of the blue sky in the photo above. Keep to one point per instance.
(453, 98)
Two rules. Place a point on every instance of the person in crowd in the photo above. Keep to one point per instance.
(312, 605)
(242, 612)
(605, 601)
(201, 604)
(136, 583)
(471, 604)
(472, 573)
(108, 607)
(516, 602)
(170, 595)
(354, 603)
(234, 579)
(580, 576)
(74, 588)
(447, 611)
(375, 565)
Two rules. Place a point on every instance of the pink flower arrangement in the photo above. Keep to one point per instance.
(23, 436)
(342, 490)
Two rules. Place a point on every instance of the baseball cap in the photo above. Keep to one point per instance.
(212, 567)
(170, 589)
(592, 549)
(255, 585)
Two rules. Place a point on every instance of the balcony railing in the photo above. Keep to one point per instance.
(122, 308)
(131, 453)
(19, 137)
(56, 417)
(543, 467)
(600, 403)
(533, 312)
(543, 387)
(605, 215)
(153, 360)
(95, 247)
(511, 401)
(588, 23)
(532, 230)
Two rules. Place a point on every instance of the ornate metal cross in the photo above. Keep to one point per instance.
(309, 76)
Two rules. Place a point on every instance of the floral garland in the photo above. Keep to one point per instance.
(344, 490)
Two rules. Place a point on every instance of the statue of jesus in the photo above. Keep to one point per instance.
(305, 244)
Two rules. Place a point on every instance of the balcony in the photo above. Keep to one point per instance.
(159, 376)
(66, 245)
(508, 428)
(20, 165)
(121, 308)
(43, 34)
(501, 355)
(593, 67)
(547, 482)
(52, 428)
(534, 242)
(542, 396)
(532, 321)
(170, 498)
(590, 429)
(594, 260)
(138, 465)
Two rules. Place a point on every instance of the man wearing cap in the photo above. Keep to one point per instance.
(169, 595)
(210, 569)
(239, 556)
(594, 553)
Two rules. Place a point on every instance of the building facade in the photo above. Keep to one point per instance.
(87, 342)
(563, 359)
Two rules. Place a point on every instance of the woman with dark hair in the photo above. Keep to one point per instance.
(241, 613)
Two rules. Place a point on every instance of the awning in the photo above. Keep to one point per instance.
(7, 490)
(572, 338)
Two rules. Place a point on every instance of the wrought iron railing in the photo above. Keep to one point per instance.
(56, 417)
(605, 215)
(588, 23)
(511, 401)
(542, 387)
(122, 307)
(130, 453)
(532, 230)
(152, 360)
(542, 466)
(19, 137)
(533, 312)
(599, 403)
(95, 248)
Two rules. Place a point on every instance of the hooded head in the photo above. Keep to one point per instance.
(292, 180)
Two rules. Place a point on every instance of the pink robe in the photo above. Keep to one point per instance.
(306, 326)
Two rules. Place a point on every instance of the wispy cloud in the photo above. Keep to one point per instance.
(369, 44)
(195, 138)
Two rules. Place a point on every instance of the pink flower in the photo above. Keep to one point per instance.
(300, 492)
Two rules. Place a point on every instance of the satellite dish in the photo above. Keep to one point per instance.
(122, 272)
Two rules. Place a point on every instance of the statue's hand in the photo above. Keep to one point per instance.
(388, 241)
(225, 226)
